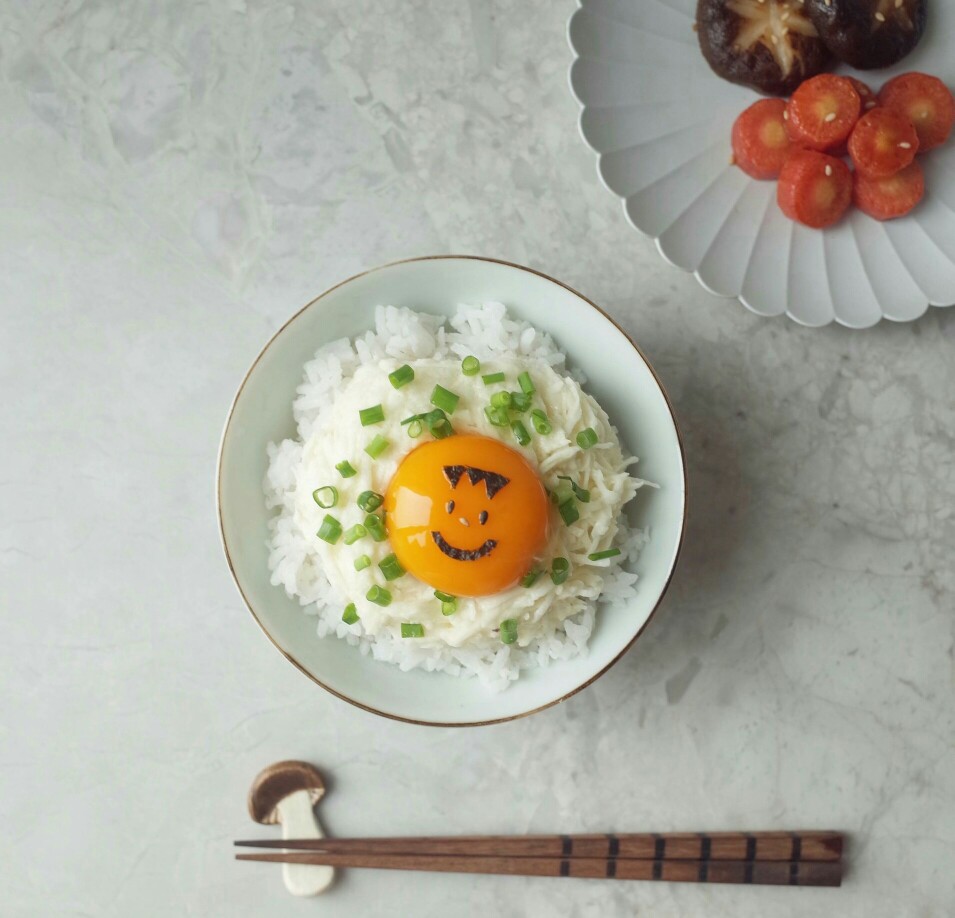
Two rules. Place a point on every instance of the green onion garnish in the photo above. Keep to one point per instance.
(587, 438)
(582, 494)
(438, 424)
(350, 615)
(369, 501)
(562, 493)
(354, 533)
(526, 383)
(508, 631)
(520, 401)
(497, 416)
(325, 497)
(520, 433)
(444, 597)
(569, 512)
(606, 553)
(415, 429)
(541, 422)
(346, 469)
(501, 400)
(379, 596)
(376, 527)
(444, 399)
(559, 569)
(402, 376)
(361, 562)
(491, 378)
(412, 630)
(470, 366)
(330, 531)
(373, 415)
(530, 578)
(377, 446)
(391, 568)
(449, 608)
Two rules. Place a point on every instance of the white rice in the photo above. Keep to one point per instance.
(559, 620)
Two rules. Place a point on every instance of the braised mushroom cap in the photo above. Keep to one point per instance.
(275, 783)
(868, 34)
(769, 45)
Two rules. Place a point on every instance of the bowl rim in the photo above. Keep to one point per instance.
(369, 708)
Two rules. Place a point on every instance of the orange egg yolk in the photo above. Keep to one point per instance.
(467, 515)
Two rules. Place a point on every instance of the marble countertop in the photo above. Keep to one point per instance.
(178, 178)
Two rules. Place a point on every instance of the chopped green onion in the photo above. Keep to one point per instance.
(376, 527)
(413, 418)
(541, 422)
(601, 555)
(438, 425)
(415, 429)
(346, 469)
(444, 399)
(361, 562)
(530, 578)
(412, 630)
(470, 366)
(501, 400)
(330, 531)
(559, 569)
(449, 608)
(373, 415)
(508, 631)
(325, 497)
(497, 416)
(526, 383)
(520, 433)
(391, 568)
(402, 376)
(491, 378)
(562, 493)
(587, 438)
(444, 597)
(350, 615)
(369, 501)
(569, 512)
(354, 533)
(520, 401)
(377, 446)
(582, 494)
(379, 596)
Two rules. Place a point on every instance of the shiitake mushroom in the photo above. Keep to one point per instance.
(770, 45)
(868, 34)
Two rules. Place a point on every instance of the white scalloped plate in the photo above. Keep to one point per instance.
(659, 121)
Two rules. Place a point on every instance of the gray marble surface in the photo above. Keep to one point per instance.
(177, 178)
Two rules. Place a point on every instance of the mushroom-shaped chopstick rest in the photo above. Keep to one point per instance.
(286, 793)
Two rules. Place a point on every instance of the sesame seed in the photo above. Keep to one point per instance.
(828, 169)
(898, 4)
(831, 116)
(880, 17)
(828, 2)
(870, 103)
(905, 145)
(785, 114)
(775, 39)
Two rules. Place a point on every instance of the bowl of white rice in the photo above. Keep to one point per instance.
(535, 435)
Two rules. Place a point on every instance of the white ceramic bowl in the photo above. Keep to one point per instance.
(659, 121)
(619, 377)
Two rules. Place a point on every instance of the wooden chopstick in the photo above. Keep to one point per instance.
(753, 847)
(774, 873)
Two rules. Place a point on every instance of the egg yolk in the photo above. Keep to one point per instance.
(467, 515)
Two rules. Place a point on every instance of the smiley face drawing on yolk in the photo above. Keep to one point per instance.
(466, 514)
